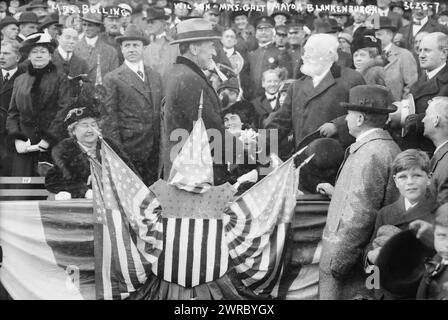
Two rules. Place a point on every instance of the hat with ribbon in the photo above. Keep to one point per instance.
(365, 41)
(132, 32)
(28, 17)
(370, 99)
(93, 17)
(42, 39)
(154, 13)
(6, 21)
(196, 29)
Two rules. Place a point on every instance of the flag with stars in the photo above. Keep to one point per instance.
(258, 253)
(128, 232)
(192, 169)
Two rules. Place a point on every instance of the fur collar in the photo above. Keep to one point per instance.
(50, 67)
(377, 62)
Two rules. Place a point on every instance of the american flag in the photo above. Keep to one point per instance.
(128, 233)
(265, 213)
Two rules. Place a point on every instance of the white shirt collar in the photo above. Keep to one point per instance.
(432, 73)
(264, 45)
(229, 52)
(416, 28)
(136, 67)
(318, 79)
(408, 205)
(387, 48)
(10, 72)
(366, 133)
(440, 147)
(63, 53)
(91, 41)
(422, 22)
(159, 36)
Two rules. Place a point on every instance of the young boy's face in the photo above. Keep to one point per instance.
(441, 241)
(412, 183)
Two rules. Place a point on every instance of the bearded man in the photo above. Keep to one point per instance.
(314, 98)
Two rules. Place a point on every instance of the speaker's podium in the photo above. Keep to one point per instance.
(23, 188)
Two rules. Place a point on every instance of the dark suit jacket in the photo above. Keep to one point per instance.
(306, 108)
(439, 169)
(263, 108)
(75, 67)
(423, 90)
(132, 112)
(430, 26)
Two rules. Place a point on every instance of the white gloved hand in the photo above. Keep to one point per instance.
(63, 195)
(22, 146)
(43, 145)
(89, 194)
(251, 176)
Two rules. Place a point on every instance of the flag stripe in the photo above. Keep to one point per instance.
(183, 250)
(197, 257)
(203, 263)
(190, 254)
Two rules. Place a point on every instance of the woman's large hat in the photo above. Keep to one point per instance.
(195, 30)
(370, 99)
(86, 105)
(365, 41)
(132, 32)
(37, 39)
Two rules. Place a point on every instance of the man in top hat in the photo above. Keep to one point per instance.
(91, 47)
(245, 32)
(28, 24)
(112, 25)
(364, 185)
(159, 54)
(66, 61)
(420, 23)
(9, 28)
(400, 67)
(184, 88)
(384, 10)
(433, 82)
(51, 24)
(132, 105)
(266, 56)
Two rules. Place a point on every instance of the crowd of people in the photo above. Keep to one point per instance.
(134, 72)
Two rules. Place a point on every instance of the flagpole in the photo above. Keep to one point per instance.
(201, 102)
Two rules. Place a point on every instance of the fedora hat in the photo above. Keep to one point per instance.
(93, 17)
(36, 4)
(370, 99)
(50, 20)
(132, 32)
(197, 29)
(7, 21)
(401, 263)
(28, 17)
(154, 13)
(37, 39)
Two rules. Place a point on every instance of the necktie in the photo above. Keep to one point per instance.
(140, 74)
(385, 57)
(6, 77)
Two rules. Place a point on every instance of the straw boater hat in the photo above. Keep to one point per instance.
(197, 29)
(133, 33)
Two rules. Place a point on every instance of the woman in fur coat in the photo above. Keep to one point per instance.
(35, 114)
(70, 176)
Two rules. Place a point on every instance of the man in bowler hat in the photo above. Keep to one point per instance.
(364, 184)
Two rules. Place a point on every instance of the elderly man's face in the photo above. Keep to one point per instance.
(8, 57)
(204, 52)
(264, 34)
(10, 32)
(430, 121)
(430, 55)
(316, 57)
(228, 39)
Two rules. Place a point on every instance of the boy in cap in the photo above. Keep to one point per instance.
(364, 184)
